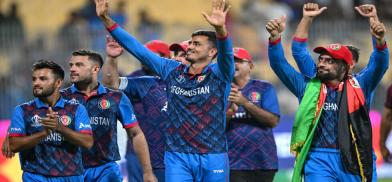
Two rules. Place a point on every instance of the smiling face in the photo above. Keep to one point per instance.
(200, 49)
(330, 69)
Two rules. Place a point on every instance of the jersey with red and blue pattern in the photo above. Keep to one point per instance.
(104, 108)
(368, 79)
(148, 95)
(197, 103)
(251, 144)
(53, 156)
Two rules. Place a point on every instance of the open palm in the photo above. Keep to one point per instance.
(101, 7)
(217, 18)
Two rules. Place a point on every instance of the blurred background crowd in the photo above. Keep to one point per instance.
(36, 29)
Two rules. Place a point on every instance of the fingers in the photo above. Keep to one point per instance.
(323, 9)
(206, 17)
(311, 7)
(227, 9)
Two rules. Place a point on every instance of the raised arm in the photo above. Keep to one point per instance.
(110, 76)
(293, 80)
(378, 61)
(159, 65)
(301, 54)
(217, 19)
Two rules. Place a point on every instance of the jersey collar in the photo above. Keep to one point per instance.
(101, 89)
(40, 104)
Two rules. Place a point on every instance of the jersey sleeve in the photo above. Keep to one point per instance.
(126, 114)
(302, 57)
(293, 80)
(225, 59)
(378, 63)
(82, 120)
(270, 101)
(17, 127)
(159, 65)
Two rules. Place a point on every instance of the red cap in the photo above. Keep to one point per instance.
(183, 46)
(159, 47)
(241, 53)
(336, 51)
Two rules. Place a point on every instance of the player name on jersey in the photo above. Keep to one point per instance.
(197, 91)
(103, 121)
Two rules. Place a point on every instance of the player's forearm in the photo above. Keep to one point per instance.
(141, 150)
(225, 57)
(80, 139)
(262, 116)
(19, 143)
(303, 27)
(221, 31)
(107, 21)
(110, 76)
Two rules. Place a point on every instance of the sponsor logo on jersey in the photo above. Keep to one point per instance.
(65, 120)
(15, 129)
(218, 171)
(84, 126)
(254, 96)
(104, 104)
(36, 121)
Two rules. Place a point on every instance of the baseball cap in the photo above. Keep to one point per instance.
(159, 47)
(241, 53)
(183, 46)
(336, 51)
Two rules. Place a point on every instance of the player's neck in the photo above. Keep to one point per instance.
(197, 68)
(241, 81)
(89, 88)
(51, 100)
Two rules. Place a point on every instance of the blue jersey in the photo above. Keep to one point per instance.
(148, 95)
(197, 103)
(53, 156)
(251, 145)
(104, 108)
(368, 79)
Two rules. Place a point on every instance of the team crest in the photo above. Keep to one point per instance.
(65, 120)
(200, 78)
(104, 104)
(335, 46)
(254, 96)
(36, 121)
(180, 78)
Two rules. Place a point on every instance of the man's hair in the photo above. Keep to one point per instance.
(93, 56)
(208, 33)
(354, 51)
(56, 69)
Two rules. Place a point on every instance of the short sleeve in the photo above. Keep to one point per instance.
(17, 127)
(82, 121)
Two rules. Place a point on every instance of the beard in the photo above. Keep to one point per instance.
(45, 92)
(326, 75)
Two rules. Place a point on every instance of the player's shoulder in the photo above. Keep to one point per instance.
(29, 103)
(261, 83)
